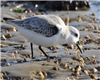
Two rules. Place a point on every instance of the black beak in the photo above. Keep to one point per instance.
(78, 43)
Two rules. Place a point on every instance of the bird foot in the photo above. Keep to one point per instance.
(50, 57)
(33, 57)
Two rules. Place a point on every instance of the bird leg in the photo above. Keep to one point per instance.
(48, 57)
(31, 44)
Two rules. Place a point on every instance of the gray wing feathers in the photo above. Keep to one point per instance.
(39, 24)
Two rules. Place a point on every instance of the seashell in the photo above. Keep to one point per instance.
(53, 47)
(55, 68)
(93, 56)
(98, 66)
(4, 74)
(16, 52)
(4, 60)
(22, 46)
(93, 76)
(1, 45)
(66, 49)
(12, 55)
(1, 76)
(14, 29)
(91, 21)
(44, 73)
(62, 64)
(67, 78)
(82, 65)
(6, 31)
(93, 14)
(3, 36)
(88, 37)
(95, 70)
(96, 27)
(90, 26)
(84, 29)
(25, 41)
(27, 11)
(36, 5)
(41, 75)
(79, 19)
(72, 46)
(67, 21)
(66, 66)
(94, 61)
(9, 35)
(79, 68)
(88, 58)
(94, 18)
(77, 73)
(41, 54)
(72, 78)
(78, 48)
(73, 69)
(86, 72)
(8, 64)
(21, 17)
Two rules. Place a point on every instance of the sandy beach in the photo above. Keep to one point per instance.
(16, 62)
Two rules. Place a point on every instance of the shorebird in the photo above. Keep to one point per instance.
(46, 31)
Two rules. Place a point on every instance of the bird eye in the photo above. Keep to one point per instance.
(76, 35)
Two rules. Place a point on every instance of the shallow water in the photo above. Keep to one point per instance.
(95, 8)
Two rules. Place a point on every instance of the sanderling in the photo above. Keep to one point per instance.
(46, 31)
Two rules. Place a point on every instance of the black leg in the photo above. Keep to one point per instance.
(32, 50)
(48, 58)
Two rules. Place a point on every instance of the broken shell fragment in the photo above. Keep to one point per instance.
(72, 46)
(90, 26)
(55, 68)
(1, 45)
(44, 73)
(72, 78)
(21, 17)
(96, 27)
(67, 21)
(94, 61)
(95, 70)
(4, 60)
(93, 76)
(25, 41)
(14, 29)
(41, 75)
(8, 64)
(93, 56)
(9, 35)
(66, 49)
(13, 55)
(53, 47)
(76, 50)
(41, 54)
(1, 76)
(93, 14)
(3, 36)
(88, 37)
(86, 72)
